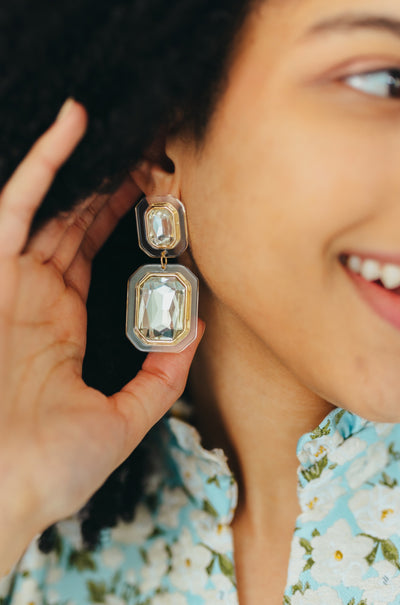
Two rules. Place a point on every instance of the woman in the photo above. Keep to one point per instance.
(291, 192)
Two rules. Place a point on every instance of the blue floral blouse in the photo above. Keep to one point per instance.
(179, 548)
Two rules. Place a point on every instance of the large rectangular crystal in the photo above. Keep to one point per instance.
(161, 308)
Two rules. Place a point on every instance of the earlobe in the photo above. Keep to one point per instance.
(155, 174)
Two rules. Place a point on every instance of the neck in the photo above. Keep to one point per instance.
(249, 404)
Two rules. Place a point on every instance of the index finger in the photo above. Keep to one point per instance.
(24, 191)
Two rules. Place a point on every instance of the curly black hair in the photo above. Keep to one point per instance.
(141, 68)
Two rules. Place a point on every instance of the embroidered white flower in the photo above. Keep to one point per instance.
(222, 592)
(200, 464)
(318, 498)
(364, 468)
(169, 599)
(384, 429)
(33, 558)
(71, 528)
(111, 599)
(28, 593)
(315, 449)
(348, 450)
(377, 511)
(174, 500)
(188, 467)
(322, 596)
(137, 531)
(189, 563)
(5, 583)
(213, 534)
(297, 561)
(384, 588)
(339, 556)
(156, 566)
(112, 557)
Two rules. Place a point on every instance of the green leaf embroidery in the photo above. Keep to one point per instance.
(215, 480)
(97, 591)
(297, 588)
(144, 556)
(321, 431)
(338, 416)
(309, 564)
(372, 555)
(332, 467)
(81, 560)
(227, 567)
(210, 566)
(388, 481)
(58, 545)
(315, 471)
(300, 588)
(352, 602)
(306, 545)
(286, 600)
(390, 552)
(157, 532)
(393, 453)
(115, 580)
(315, 533)
(208, 508)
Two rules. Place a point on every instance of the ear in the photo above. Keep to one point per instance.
(156, 173)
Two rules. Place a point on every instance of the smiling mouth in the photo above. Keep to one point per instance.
(378, 283)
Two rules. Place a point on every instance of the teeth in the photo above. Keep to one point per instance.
(372, 270)
(391, 276)
(354, 263)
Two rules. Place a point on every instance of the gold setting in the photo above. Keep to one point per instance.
(186, 311)
(176, 235)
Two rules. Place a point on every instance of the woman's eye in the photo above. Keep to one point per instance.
(382, 83)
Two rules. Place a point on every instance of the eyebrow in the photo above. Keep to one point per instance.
(355, 21)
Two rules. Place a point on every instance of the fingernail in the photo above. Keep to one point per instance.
(65, 108)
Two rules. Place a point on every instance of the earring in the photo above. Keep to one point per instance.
(162, 300)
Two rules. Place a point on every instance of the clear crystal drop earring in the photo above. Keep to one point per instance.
(162, 300)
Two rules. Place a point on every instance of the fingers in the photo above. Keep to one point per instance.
(46, 240)
(144, 400)
(70, 243)
(23, 193)
(78, 273)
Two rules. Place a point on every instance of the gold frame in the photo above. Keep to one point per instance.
(175, 218)
(187, 310)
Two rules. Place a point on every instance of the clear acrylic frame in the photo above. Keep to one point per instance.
(149, 323)
(171, 207)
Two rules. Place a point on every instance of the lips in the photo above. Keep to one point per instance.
(378, 282)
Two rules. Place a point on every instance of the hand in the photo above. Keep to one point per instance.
(60, 439)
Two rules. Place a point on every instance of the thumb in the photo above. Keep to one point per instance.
(156, 387)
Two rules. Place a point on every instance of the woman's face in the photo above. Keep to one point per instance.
(300, 169)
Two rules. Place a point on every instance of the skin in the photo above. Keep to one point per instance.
(290, 175)
(50, 420)
(297, 168)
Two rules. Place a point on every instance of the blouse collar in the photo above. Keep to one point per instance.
(207, 478)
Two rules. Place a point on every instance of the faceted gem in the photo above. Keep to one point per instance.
(162, 301)
(162, 226)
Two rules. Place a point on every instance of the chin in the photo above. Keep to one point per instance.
(378, 404)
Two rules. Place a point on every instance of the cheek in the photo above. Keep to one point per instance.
(268, 214)
(276, 200)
